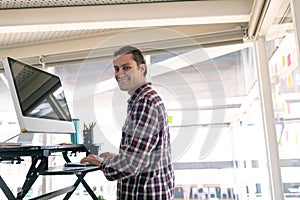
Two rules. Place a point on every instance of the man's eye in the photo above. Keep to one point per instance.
(116, 69)
(126, 68)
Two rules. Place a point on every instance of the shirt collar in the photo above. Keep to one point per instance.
(137, 93)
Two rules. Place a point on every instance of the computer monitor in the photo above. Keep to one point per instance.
(39, 100)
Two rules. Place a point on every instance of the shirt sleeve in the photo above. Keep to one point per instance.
(140, 145)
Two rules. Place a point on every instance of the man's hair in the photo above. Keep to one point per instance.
(137, 55)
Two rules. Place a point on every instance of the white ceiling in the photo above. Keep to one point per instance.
(33, 28)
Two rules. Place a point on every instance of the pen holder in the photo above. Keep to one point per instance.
(93, 148)
(88, 136)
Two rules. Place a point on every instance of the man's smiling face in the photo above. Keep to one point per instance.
(128, 74)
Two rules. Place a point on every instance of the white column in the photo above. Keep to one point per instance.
(295, 8)
(268, 120)
(148, 64)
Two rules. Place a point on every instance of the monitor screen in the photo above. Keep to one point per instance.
(39, 99)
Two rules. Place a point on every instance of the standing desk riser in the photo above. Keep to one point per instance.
(39, 166)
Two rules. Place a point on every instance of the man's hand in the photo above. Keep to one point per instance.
(106, 155)
(92, 159)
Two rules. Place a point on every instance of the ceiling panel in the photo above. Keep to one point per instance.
(9, 4)
(17, 39)
(32, 23)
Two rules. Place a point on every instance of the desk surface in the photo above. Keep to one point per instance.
(15, 152)
(77, 147)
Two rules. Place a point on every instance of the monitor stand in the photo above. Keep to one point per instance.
(25, 138)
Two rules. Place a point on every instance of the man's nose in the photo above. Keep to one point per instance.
(121, 72)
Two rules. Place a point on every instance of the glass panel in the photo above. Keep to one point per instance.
(285, 79)
(234, 166)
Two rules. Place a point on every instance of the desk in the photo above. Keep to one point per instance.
(39, 166)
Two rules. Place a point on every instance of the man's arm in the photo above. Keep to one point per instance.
(141, 151)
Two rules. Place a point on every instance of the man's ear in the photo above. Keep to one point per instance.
(143, 67)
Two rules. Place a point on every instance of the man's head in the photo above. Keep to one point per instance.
(130, 68)
(137, 55)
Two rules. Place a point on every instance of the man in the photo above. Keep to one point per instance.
(143, 165)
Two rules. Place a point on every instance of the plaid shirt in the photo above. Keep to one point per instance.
(143, 166)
